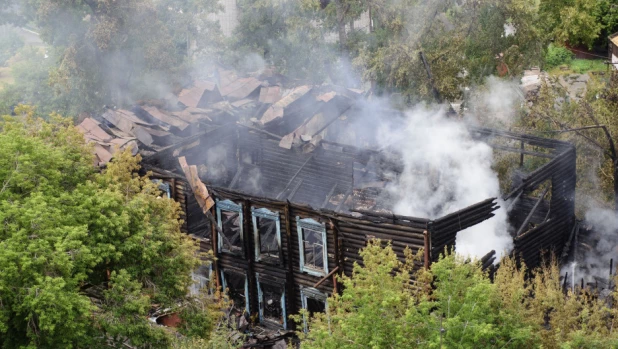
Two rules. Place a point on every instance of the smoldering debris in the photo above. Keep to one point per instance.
(595, 249)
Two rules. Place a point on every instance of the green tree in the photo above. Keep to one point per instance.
(380, 308)
(454, 304)
(111, 53)
(10, 43)
(284, 34)
(85, 256)
(31, 74)
(572, 21)
(461, 44)
(589, 122)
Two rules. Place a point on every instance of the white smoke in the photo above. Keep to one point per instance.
(496, 102)
(445, 170)
(600, 246)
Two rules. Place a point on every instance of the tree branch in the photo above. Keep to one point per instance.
(612, 147)
(592, 141)
(8, 180)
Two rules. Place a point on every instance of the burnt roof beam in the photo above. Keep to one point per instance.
(330, 193)
(522, 151)
(294, 177)
(536, 205)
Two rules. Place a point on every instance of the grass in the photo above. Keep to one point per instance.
(580, 66)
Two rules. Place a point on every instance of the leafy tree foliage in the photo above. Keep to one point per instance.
(10, 43)
(30, 70)
(462, 43)
(557, 55)
(572, 21)
(283, 34)
(85, 256)
(110, 52)
(380, 308)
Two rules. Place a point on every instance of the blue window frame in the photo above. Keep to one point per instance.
(312, 246)
(267, 235)
(230, 222)
(164, 187)
(271, 298)
(201, 279)
(237, 287)
(312, 301)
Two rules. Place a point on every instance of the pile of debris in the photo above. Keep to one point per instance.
(267, 101)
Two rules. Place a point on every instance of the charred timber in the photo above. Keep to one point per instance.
(524, 225)
(392, 216)
(522, 151)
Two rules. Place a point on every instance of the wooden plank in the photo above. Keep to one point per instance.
(199, 189)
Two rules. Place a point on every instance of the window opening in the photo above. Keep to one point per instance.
(312, 245)
(313, 301)
(272, 303)
(164, 187)
(201, 279)
(229, 219)
(237, 289)
(267, 235)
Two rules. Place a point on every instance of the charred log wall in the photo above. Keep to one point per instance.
(552, 234)
(542, 227)
(443, 231)
(291, 175)
(346, 235)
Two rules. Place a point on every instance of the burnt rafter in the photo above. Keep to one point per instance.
(294, 177)
(524, 225)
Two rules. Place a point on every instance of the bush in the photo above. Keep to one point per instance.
(557, 55)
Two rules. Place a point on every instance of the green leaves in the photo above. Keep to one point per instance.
(463, 308)
(574, 21)
(84, 255)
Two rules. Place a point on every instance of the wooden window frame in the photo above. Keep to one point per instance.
(311, 224)
(230, 206)
(224, 285)
(315, 294)
(284, 315)
(197, 277)
(265, 213)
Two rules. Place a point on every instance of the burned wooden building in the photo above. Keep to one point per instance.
(290, 212)
(281, 240)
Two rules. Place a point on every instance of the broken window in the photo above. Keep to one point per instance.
(313, 301)
(201, 279)
(271, 299)
(267, 235)
(237, 289)
(229, 220)
(164, 187)
(312, 246)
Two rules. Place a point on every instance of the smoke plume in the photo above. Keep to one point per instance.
(596, 248)
(445, 170)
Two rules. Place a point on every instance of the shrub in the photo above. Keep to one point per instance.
(557, 55)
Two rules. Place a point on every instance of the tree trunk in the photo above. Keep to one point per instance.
(615, 184)
(343, 40)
